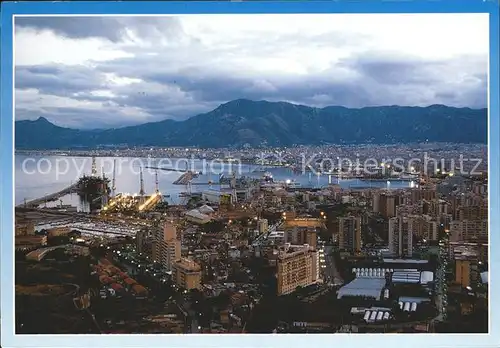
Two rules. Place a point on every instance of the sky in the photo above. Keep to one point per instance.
(109, 72)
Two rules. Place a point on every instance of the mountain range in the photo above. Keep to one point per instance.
(242, 121)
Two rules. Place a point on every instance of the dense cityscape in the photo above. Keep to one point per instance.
(250, 174)
(258, 254)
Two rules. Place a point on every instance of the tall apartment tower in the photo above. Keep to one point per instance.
(376, 202)
(387, 205)
(349, 236)
(301, 235)
(167, 246)
(400, 237)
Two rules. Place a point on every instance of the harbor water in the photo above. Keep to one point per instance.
(39, 176)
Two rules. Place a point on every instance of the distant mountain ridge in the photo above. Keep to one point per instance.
(244, 121)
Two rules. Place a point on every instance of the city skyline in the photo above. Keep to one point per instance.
(95, 72)
(191, 171)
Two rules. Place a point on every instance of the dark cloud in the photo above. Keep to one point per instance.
(114, 29)
(75, 27)
(184, 93)
(176, 73)
(59, 79)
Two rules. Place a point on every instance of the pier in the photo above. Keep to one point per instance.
(185, 178)
(169, 169)
(50, 197)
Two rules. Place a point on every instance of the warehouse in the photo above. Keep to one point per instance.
(365, 287)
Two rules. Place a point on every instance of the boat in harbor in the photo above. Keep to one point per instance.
(267, 176)
(292, 184)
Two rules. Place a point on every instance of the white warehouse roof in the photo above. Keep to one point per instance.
(363, 286)
(484, 277)
(205, 209)
(426, 277)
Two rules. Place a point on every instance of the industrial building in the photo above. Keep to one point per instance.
(217, 197)
(197, 217)
(25, 242)
(24, 228)
(368, 287)
(58, 231)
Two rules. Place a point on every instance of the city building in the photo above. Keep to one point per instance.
(423, 227)
(24, 228)
(475, 212)
(387, 204)
(166, 246)
(218, 197)
(263, 226)
(186, 274)
(299, 231)
(469, 231)
(466, 271)
(349, 236)
(197, 217)
(419, 194)
(297, 266)
(23, 242)
(58, 231)
(301, 235)
(367, 287)
(458, 250)
(400, 237)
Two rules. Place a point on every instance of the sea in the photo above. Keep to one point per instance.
(39, 176)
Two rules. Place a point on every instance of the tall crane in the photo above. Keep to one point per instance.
(141, 191)
(113, 183)
(104, 196)
(94, 167)
(234, 197)
(157, 187)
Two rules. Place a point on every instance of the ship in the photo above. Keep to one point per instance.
(260, 170)
(267, 176)
(292, 184)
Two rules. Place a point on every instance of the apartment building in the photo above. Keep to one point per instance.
(349, 236)
(400, 237)
(296, 266)
(186, 274)
(466, 271)
(469, 230)
(166, 246)
(423, 226)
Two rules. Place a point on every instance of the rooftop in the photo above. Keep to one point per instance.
(187, 265)
(405, 261)
(363, 286)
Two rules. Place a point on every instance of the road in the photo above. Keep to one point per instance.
(331, 272)
(185, 307)
(441, 287)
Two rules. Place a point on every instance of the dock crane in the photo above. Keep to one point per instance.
(141, 191)
(94, 167)
(157, 188)
(104, 196)
(113, 183)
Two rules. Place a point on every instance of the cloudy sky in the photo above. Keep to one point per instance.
(100, 72)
